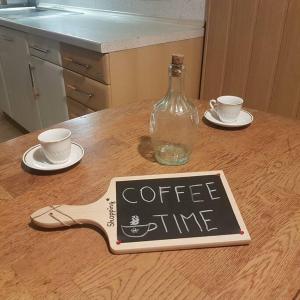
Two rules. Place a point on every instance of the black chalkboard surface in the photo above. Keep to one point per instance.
(173, 208)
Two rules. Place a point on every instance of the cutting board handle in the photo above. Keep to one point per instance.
(56, 216)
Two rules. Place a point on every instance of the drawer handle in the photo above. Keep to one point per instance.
(71, 60)
(34, 89)
(39, 49)
(74, 88)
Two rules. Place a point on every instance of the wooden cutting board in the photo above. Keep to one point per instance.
(158, 212)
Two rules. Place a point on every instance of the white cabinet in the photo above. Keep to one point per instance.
(44, 48)
(14, 60)
(32, 90)
(49, 89)
(4, 102)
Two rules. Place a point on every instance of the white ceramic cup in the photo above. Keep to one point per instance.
(56, 144)
(227, 108)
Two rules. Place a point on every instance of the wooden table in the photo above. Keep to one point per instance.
(261, 163)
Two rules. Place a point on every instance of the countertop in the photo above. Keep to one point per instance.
(105, 31)
(261, 164)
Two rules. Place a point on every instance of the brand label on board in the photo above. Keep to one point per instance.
(111, 213)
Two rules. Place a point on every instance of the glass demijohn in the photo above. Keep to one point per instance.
(174, 120)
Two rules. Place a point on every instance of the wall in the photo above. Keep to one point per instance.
(179, 9)
(252, 50)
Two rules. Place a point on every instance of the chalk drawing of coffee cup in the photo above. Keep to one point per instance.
(136, 231)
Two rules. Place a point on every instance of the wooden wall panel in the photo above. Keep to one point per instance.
(215, 47)
(265, 51)
(258, 48)
(239, 46)
(286, 93)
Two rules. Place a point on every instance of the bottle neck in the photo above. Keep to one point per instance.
(176, 80)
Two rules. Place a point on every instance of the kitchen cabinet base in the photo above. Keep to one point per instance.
(142, 73)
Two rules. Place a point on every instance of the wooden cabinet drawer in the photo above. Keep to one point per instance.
(89, 92)
(76, 109)
(44, 48)
(86, 62)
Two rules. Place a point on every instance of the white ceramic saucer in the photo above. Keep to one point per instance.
(245, 118)
(34, 158)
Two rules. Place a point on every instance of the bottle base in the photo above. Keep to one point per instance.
(172, 155)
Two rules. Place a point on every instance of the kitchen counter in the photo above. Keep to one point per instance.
(105, 31)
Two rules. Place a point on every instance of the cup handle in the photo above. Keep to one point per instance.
(153, 228)
(213, 104)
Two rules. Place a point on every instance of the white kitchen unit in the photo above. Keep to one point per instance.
(48, 81)
(44, 48)
(14, 62)
(49, 91)
(32, 89)
(4, 102)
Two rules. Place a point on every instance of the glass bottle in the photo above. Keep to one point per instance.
(174, 120)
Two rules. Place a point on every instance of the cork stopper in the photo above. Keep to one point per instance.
(177, 59)
(177, 65)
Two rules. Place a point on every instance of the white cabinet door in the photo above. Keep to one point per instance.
(50, 90)
(4, 102)
(14, 59)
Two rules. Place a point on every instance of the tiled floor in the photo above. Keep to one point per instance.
(8, 130)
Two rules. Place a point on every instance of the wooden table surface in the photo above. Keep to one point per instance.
(261, 163)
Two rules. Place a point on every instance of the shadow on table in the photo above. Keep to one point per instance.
(206, 122)
(145, 148)
(89, 226)
(46, 172)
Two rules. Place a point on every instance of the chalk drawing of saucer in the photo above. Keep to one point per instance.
(136, 231)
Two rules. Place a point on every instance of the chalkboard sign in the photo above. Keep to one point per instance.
(159, 212)
(173, 208)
